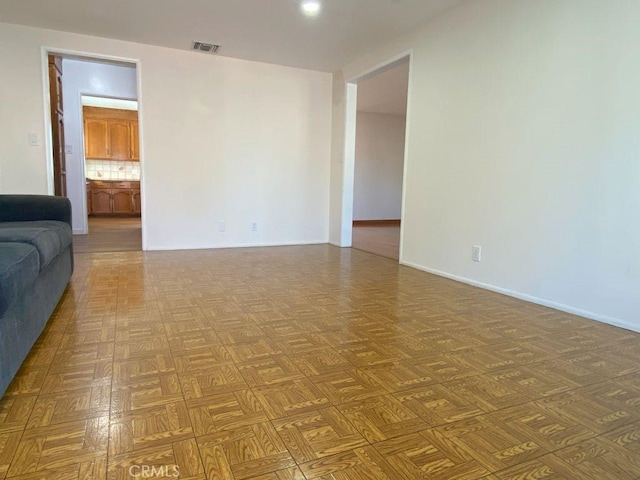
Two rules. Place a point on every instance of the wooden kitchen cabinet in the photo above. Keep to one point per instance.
(135, 141)
(121, 201)
(88, 189)
(119, 140)
(114, 197)
(111, 134)
(96, 138)
(137, 205)
(100, 201)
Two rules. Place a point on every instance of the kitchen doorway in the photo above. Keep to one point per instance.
(112, 172)
(102, 153)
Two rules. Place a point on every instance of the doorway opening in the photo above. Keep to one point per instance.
(380, 132)
(95, 138)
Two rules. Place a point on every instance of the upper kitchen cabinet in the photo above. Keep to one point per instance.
(120, 140)
(96, 138)
(135, 141)
(111, 134)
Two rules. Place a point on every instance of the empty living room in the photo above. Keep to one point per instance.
(246, 339)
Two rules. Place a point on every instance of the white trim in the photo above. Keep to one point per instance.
(48, 128)
(88, 55)
(529, 298)
(85, 207)
(405, 162)
(45, 52)
(349, 164)
(348, 171)
(236, 245)
(93, 100)
(382, 66)
(141, 155)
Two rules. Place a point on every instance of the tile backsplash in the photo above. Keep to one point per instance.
(112, 170)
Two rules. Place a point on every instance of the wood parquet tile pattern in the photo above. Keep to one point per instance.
(379, 238)
(314, 362)
(110, 234)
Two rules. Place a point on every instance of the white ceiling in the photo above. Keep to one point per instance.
(272, 31)
(385, 92)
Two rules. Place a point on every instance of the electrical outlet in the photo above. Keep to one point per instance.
(222, 227)
(254, 226)
(476, 253)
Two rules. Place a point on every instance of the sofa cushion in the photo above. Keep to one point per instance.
(49, 237)
(19, 268)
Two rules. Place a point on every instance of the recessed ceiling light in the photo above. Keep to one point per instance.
(310, 7)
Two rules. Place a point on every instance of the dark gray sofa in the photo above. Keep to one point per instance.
(36, 263)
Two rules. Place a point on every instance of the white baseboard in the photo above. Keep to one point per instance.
(232, 245)
(530, 298)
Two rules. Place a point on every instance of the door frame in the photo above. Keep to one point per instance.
(81, 94)
(45, 51)
(348, 177)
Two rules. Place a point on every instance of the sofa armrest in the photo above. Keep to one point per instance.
(23, 208)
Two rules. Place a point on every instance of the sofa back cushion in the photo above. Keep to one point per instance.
(19, 268)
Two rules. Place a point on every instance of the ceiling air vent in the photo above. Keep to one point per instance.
(205, 47)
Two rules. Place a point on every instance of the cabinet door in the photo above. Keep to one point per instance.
(100, 201)
(96, 139)
(120, 143)
(89, 209)
(135, 142)
(122, 200)
(137, 206)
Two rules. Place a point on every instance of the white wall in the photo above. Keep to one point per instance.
(91, 78)
(524, 133)
(221, 140)
(377, 190)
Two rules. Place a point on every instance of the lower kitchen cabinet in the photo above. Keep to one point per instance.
(100, 202)
(113, 198)
(122, 200)
(137, 205)
(88, 189)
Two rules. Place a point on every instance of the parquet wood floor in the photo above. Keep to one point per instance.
(314, 362)
(110, 234)
(379, 238)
